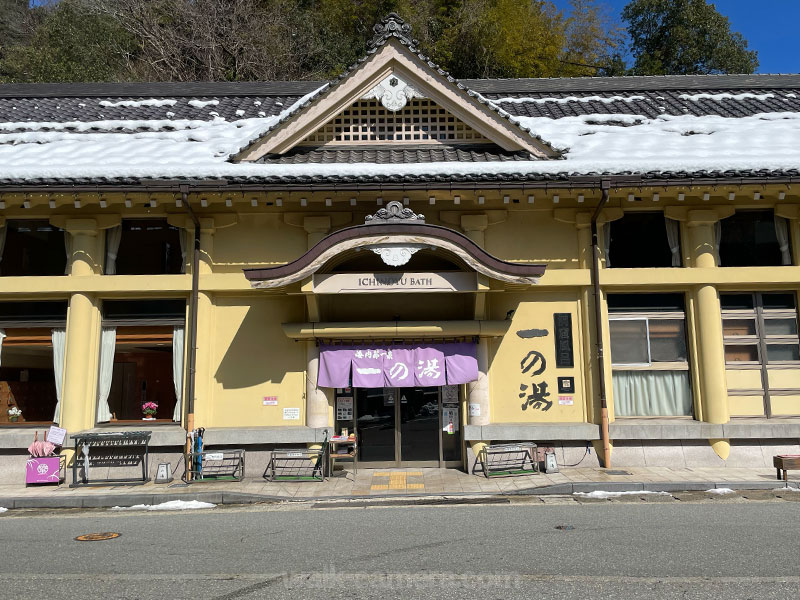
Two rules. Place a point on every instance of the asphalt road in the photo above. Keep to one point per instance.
(724, 549)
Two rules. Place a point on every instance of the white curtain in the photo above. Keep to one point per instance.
(2, 337)
(108, 343)
(652, 394)
(59, 338)
(674, 240)
(718, 240)
(113, 238)
(177, 369)
(607, 243)
(68, 249)
(782, 232)
(183, 236)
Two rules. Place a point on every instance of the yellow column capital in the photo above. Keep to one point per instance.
(707, 216)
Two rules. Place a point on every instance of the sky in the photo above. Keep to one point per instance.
(769, 26)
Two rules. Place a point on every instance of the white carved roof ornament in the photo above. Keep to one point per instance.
(393, 93)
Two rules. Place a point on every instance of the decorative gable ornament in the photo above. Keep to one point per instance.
(395, 255)
(393, 214)
(393, 93)
(392, 26)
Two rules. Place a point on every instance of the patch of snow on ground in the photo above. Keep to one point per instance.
(135, 103)
(783, 489)
(745, 96)
(721, 491)
(3, 509)
(604, 494)
(604, 99)
(171, 505)
(203, 103)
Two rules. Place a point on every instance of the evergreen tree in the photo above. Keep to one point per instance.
(684, 37)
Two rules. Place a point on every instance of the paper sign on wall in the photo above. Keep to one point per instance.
(449, 394)
(566, 400)
(56, 435)
(474, 410)
(291, 414)
(450, 420)
(344, 409)
(270, 401)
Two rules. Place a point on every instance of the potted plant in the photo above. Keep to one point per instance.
(149, 410)
(14, 413)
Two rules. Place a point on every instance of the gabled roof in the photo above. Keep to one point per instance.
(393, 53)
(647, 127)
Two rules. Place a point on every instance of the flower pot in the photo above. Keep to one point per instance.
(14, 419)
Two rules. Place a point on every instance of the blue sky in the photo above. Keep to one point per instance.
(769, 26)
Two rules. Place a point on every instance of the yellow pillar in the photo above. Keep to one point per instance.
(82, 332)
(474, 227)
(711, 351)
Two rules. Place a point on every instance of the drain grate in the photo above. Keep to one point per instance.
(565, 527)
(616, 472)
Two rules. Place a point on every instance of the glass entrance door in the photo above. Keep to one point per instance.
(375, 425)
(408, 426)
(419, 425)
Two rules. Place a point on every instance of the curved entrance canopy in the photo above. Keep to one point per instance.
(395, 233)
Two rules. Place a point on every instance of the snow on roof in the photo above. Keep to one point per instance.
(726, 96)
(593, 144)
(567, 99)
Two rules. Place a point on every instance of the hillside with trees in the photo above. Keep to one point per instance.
(245, 40)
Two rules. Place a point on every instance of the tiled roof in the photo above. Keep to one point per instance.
(233, 105)
(383, 155)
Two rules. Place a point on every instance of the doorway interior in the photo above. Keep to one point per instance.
(401, 427)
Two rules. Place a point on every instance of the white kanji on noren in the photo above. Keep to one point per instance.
(398, 371)
(428, 368)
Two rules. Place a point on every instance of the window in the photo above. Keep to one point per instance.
(760, 332)
(32, 341)
(649, 355)
(32, 248)
(643, 240)
(141, 360)
(144, 247)
(754, 238)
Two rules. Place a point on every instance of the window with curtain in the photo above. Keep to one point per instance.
(643, 239)
(141, 360)
(649, 355)
(144, 247)
(760, 333)
(27, 376)
(32, 248)
(753, 238)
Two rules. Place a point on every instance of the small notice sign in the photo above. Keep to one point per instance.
(270, 401)
(344, 409)
(291, 414)
(215, 456)
(474, 410)
(56, 435)
(566, 400)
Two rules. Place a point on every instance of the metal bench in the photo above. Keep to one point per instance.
(216, 465)
(499, 460)
(297, 464)
(114, 449)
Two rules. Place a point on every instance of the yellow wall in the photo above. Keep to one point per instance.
(252, 359)
(533, 311)
(243, 355)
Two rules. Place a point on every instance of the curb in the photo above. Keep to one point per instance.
(439, 498)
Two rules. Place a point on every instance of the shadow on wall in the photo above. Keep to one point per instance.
(259, 352)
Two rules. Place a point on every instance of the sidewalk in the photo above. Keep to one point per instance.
(409, 484)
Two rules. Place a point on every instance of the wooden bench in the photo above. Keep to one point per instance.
(786, 462)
